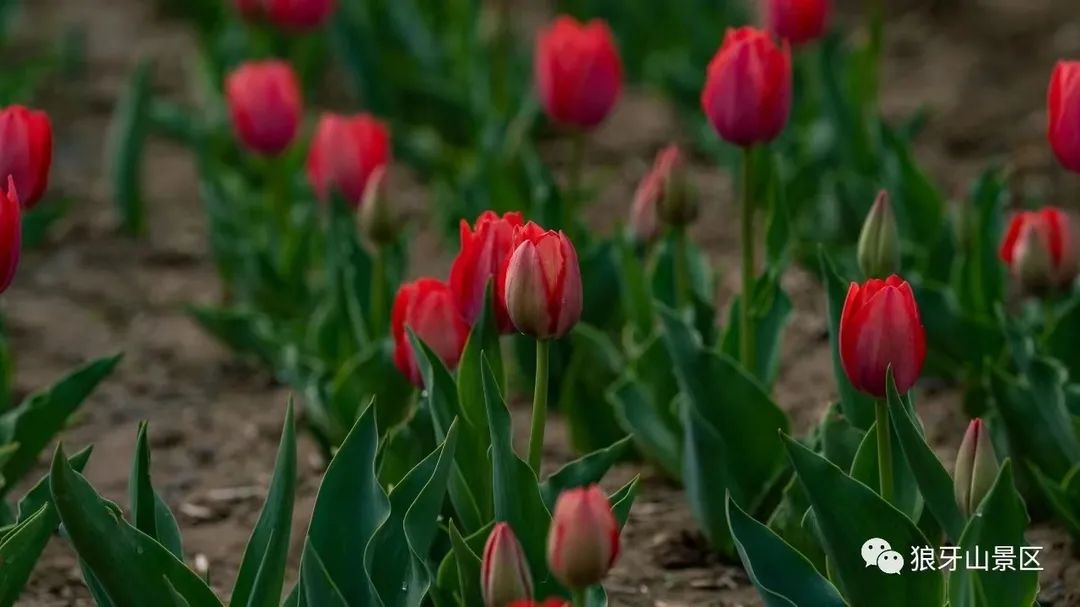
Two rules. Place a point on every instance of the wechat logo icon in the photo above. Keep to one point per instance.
(876, 552)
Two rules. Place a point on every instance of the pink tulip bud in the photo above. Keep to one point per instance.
(747, 94)
(541, 284)
(578, 72)
(976, 467)
(345, 152)
(505, 576)
(26, 151)
(583, 541)
(299, 14)
(663, 195)
(1040, 250)
(797, 21)
(264, 104)
(10, 234)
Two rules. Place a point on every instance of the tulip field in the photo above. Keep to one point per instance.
(557, 303)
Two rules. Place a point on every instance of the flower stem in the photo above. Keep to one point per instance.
(885, 468)
(576, 198)
(746, 332)
(378, 290)
(539, 410)
(579, 599)
(682, 270)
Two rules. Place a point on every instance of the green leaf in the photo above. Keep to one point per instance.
(1063, 497)
(848, 513)
(262, 570)
(484, 337)
(350, 506)
(933, 480)
(707, 482)
(20, 549)
(37, 221)
(39, 494)
(857, 407)
(468, 569)
(126, 140)
(595, 363)
(131, 566)
(637, 299)
(999, 521)
(783, 577)
(770, 309)
(41, 416)
(652, 434)
(864, 469)
(840, 440)
(148, 511)
(587, 470)
(623, 500)
(316, 586)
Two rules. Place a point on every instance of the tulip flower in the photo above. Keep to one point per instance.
(427, 307)
(578, 72)
(1039, 249)
(299, 14)
(26, 151)
(880, 328)
(662, 195)
(583, 541)
(504, 576)
(485, 250)
(879, 242)
(264, 105)
(1063, 114)
(976, 467)
(797, 21)
(747, 94)
(541, 283)
(345, 152)
(10, 234)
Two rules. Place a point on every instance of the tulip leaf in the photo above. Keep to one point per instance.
(126, 140)
(770, 310)
(595, 363)
(484, 337)
(651, 432)
(783, 577)
(349, 508)
(39, 494)
(864, 469)
(933, 480)
(262, 570)
(980, 275)
(316, 587)
(149, 512)
(131, 567)
(1063, 497)
(847, 514)
(840, 440)
(999, 520)
(857, 407)
(637, 299)
(396, 559)
(20, 549)
(706, 481)
(468, 566)
(587, 470)
(41, 416)
(623, 500)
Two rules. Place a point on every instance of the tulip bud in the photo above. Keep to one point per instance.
(541, 284)
(505, 576)
(880, 328)
(747, 94)
(976, 467)
(663, 195)
(879, 242)
(485, 251)
(264, 105)
(1039, 249)
(427, 307)
(578, 72)
(797, 21)
(583, 541)
(26, 151)
(10, 234)
(345, 152)
(378, 219)
(1063, 114)
(299, 14)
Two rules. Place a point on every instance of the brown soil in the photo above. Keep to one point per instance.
(981, 70)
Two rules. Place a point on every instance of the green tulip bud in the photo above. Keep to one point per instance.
(976, 467)
(879, 242)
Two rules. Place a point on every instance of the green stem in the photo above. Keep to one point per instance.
(378, 292)
(539, 409)
(746, 330)
(576, 198)
(682, 270)
(578, 597)
(885, 467)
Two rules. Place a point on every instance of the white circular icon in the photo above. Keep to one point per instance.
(872, 549)
(891, 562)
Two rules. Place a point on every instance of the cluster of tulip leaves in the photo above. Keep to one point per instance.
(25, 430)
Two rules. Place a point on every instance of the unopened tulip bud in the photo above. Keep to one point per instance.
(583, 541)
(542, 283)
(880, 328)
(264, 105)
(976, 467)
(10, 234)
(378, 219)
(577, 71)
(663, 195)
(1040, 250)
(879, 242)
(505, 576)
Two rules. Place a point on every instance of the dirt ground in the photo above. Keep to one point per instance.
(981, 69)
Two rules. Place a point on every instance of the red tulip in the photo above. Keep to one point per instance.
(547, 603)
(264, 104)
(427, 307)
(345, 152)
(879, 328)
(1063, 114)
(747, 94)
(541, 283)
(1040, 249)
(249, 9)
(578, 72)
(583, 541)
(10, 234)
(26, 151)
(484, 252)
(797, 21)
(504, 576)
(299, 14)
